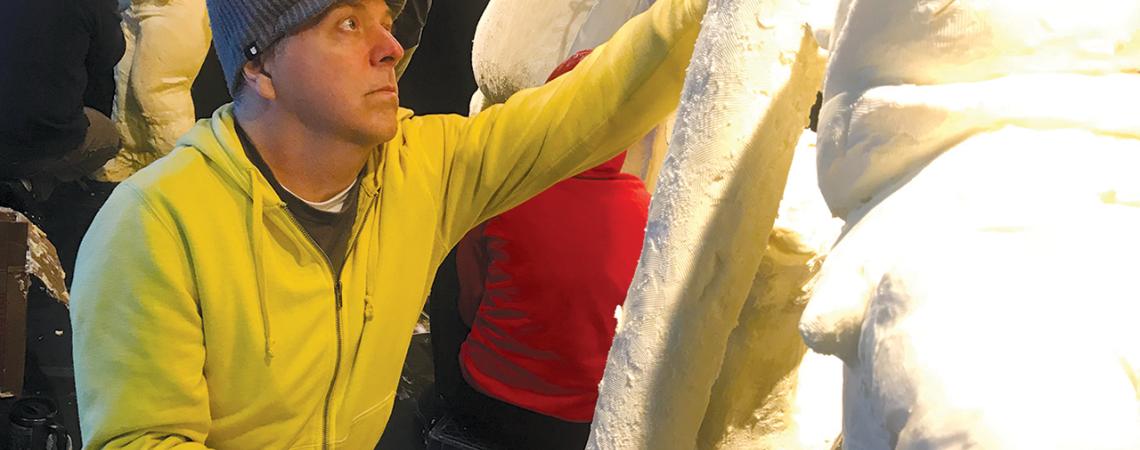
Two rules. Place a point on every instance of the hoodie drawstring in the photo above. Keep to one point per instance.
(256, 231)
(373, 257)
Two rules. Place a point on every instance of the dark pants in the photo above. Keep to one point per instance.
(40, 176)
(447, 328)
(55, 193)
(515, 427)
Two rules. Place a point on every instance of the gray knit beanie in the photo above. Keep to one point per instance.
(243, 29)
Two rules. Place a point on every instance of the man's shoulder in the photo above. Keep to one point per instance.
(424, 137)
(427, 125)
(182, 180)
(183, 167)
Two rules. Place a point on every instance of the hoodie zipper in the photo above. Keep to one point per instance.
(339, 338)
(336, 370)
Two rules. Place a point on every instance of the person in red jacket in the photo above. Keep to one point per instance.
(539, 286)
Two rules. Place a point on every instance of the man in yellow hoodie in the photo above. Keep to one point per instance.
(257, 287)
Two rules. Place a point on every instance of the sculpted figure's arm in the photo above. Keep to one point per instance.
(511, 152)
(138, 342)
(746, 102)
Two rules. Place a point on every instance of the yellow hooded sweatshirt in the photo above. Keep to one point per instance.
(205, 317)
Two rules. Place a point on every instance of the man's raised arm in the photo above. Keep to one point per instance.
(511, 152)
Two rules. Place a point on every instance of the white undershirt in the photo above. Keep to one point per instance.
(332, 205)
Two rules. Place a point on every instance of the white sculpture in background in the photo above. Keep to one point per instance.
(518, 42)
(985, 154)
(167, 41)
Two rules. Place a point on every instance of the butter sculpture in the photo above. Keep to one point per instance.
(518, 42)
(753, 78)
(744, 109)
(166, 42)
(983, 154)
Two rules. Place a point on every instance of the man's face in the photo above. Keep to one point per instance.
(339, 75)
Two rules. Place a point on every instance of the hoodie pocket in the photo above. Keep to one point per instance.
(366, 425)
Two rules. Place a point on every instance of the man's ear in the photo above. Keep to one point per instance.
(258, 79)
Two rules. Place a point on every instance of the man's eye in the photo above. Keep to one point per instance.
(349, 24)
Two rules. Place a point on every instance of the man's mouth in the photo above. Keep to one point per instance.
(383, 90)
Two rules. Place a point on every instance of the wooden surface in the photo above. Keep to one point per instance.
(13, 305)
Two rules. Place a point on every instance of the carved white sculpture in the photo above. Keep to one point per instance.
(745, 103)
(770, 393)
(984, 156)
(518, 42)
(166, 42)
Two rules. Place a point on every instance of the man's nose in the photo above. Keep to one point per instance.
(385, 48)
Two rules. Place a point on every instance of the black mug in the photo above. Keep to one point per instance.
(32, 426)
